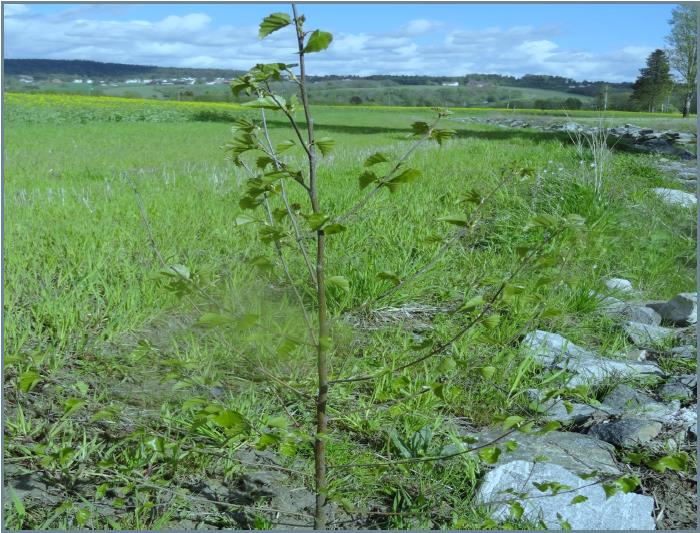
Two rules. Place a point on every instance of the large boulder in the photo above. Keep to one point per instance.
(596, 512)
(553, 350)
(576, 452)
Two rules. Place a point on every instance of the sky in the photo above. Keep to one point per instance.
(580, 41)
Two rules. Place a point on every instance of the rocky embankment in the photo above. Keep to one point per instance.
(629, 136)
(656, 419)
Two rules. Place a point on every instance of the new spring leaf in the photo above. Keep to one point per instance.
(273, 22)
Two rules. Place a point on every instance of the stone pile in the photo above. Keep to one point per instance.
(673, 143)
(659, 417)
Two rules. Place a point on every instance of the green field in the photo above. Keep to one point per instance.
(107, 374)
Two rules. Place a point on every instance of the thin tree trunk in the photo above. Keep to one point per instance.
(320, 518)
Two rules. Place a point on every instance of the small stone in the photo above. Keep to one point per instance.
(681, 310)
(619, 284)
(646, 335)
(675, 197)
(633, 313)
(626, 432)
(596, 512)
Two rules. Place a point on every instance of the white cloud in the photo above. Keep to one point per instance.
(421, 46)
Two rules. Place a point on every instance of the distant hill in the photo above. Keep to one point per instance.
(48, 68)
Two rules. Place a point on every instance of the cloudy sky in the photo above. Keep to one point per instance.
(582, 41)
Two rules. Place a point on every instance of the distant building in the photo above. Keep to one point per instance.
(26, 79)
(88, 81)
(450, 84)
(77, 81)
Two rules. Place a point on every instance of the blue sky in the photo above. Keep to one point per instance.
(582, 41)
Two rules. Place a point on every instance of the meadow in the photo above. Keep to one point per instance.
(122, 411)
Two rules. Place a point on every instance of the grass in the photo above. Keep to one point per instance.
(121, 405)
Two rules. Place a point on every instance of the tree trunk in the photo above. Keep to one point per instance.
(686, 103)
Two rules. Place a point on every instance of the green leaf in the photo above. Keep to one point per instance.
(442, 135)
(549, 426)
(490, 455)
(330, 229)
(676, 461)
(375, 158)
(610, 490)
(156, 443)
(272, 23)
(338, 281)
(420, 128)
(316, 220)
(71, 405)
(628, 483)
(389, 276)
(516, 510)
(242, 220)
(176, 271)
(457, 220)
(512, 421)
(491, 321)
(266, 440)
(367, 178)
(266, 102)
(82, 515)
(284, 146)
(213, 320)
(28, 380)
(578, 499)
(231, 420)
(511, 445)
(279, 422)
(487, 371)
(325, 145)
(407, 176)
(319, 41)
(472, 303)
(446, 365)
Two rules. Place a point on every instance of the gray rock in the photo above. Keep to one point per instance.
(576, 452)
(634, 313)
(681, 310)
(636, 355)
(620, 511)
(684, 352)
(626, 432)
(675, 197)
(679, 387)
(619, 284)
(554, 409)
(553, 350)
(646, 335)
(623, 399)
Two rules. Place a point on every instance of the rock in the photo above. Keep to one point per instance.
(576, 452)
(554, 409)
(679, 387)
(637, 355)
(684, 352)
(685, 421)
(553, 350)
(624, 400)
(626, 432)
(675, 197)
(646, 335)
(619, 284)
(681, 310)
(634, 313)
(620, 511)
